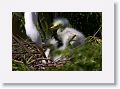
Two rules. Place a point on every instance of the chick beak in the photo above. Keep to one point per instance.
(53, 27)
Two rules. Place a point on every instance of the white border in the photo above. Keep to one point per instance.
(104, 76)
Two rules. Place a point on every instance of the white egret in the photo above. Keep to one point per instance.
(31, 19)
(30, 27)
(67, 34)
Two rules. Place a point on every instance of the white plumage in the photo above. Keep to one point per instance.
(53, 42)
(31, 19)
(61, 21)
(66, 34)
(30, 27)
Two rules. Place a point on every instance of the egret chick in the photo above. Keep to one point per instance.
(67, 34)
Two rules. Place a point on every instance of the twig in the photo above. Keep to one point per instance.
(97, 31)
(27, 43)
(41, 51)
(21, 44)
(29, 59)
(43, 59)
(25, 53)
(72, 38)
(16, 61)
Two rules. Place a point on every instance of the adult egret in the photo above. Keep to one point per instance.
(31, 19)
(67, 34)
(30, 27)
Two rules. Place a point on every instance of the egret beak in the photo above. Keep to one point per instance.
(53, 27)
(56, 26)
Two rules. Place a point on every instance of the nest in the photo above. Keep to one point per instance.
(25, 52)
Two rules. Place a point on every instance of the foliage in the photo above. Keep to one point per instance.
(87, 57)
(19, 66)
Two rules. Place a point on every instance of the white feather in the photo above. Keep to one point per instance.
(30, 27)
(66, 33)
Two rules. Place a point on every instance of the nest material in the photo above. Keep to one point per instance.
(25, 52)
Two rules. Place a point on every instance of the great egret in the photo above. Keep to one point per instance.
(67, 34)
(31, 19)
(30, 27)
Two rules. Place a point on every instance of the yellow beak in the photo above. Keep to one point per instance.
(56, 26)
(53, 27)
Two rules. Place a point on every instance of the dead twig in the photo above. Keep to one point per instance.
(97, 31)
(21, 44)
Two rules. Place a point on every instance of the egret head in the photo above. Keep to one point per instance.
(60, 23)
